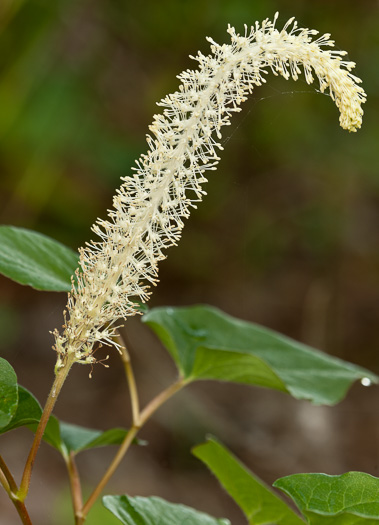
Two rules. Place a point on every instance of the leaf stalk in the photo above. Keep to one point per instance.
(148, 411)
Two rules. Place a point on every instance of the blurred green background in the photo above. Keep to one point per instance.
(288, 235)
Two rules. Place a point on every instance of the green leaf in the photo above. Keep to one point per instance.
(258, 502)
(8, 392)
(31, 258)
(113, 436)
(75, 438)
(349, 499)
(67, 438)
(28, 414)
(28, 411)
(206, 343)
(156, 511)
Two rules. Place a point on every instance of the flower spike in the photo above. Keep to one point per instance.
(148, 209)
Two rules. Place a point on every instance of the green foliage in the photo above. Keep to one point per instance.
(258, 502)
(8, 393)
(31, 258)
(65, 437)
(28, 411)
(206, 343)
(349, 499)
(156, 511)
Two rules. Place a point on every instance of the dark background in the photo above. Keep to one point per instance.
(286, 237)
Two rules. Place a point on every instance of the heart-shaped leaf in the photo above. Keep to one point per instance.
(348, 499)
(156, 511)
(258, 502)
(8, 393)
(206, 343)
(36, 260)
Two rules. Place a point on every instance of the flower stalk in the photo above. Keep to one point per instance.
(59, 380)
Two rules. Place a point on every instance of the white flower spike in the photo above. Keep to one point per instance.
(149, 206)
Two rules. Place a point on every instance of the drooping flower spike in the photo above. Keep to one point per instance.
(149, 208)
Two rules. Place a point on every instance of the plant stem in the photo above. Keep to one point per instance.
(125, 357)
(80, 514)
(160, 399)
(4, 482)
(6, 478)
(76, 489)
(9, 484)
(60, 377)
(154, 404)
(110, 471)
(22, 512)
